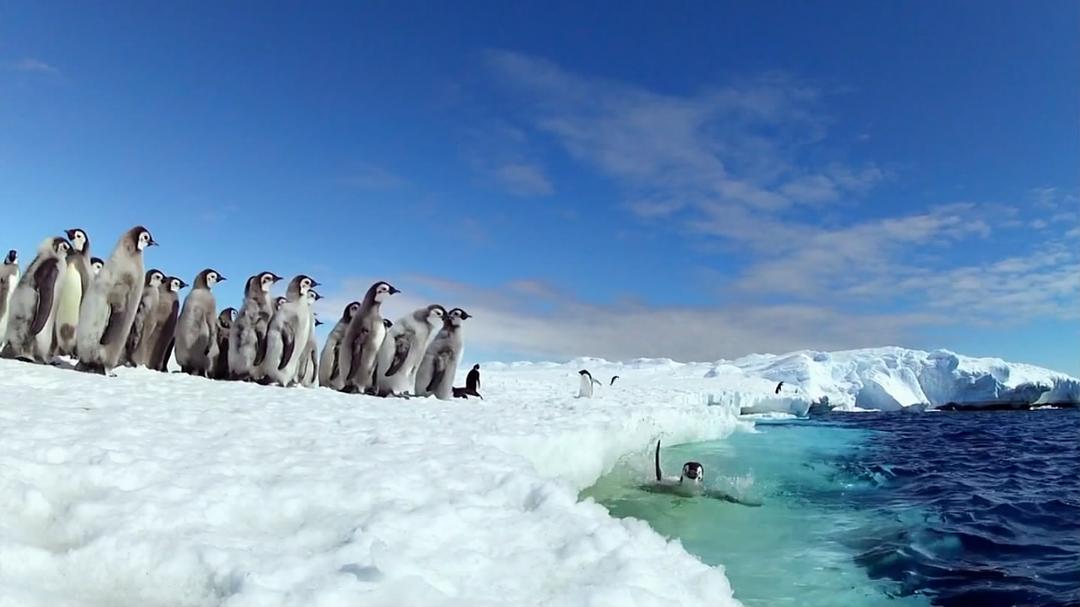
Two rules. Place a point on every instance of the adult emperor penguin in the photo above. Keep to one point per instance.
(9, 279)
(287, 335)
(587, 381)
(362, 341)
(403, 349)
(308, 369)
(436, 373)
(220, 369)
(76, 283)
(196, 329)
(96, 263)
(328, 360)
(247, 338)
(33, 304)
(140, 341)
(111, 302)
(166, 314)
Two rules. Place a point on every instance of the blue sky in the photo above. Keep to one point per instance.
(586, 178)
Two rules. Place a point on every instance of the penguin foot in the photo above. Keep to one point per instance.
(90, 368)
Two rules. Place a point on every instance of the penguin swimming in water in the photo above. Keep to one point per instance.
(403, 349)
(328, 360)
(96, 263)
(362, 341)
(76, 283)
(247, 338)
(166, 314)
(9, 279)
(437, 370)
(307, 372)
(110, 304)
(287, 333)
(690, 483)
(587, 381)
(196, 328)
(140, 340)
(33, 304)
(220, 369)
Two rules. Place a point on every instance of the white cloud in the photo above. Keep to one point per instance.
(31, 65)
(523, 179)
(372, 177)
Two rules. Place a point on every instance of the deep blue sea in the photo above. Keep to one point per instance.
(949, 509)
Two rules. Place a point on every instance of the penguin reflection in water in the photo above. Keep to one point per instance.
(691, 483)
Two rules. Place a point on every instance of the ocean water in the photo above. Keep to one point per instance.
(949, 509)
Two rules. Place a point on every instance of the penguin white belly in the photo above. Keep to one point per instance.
(67, 312)
(586, 387)
(12, 281)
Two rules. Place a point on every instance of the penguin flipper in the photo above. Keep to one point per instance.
(260, 346)
(288, 342)
(659, 474)
(438, 370)
(114, 327)
(401, 352)
(334, 367)
(45, 280)
(166, 338)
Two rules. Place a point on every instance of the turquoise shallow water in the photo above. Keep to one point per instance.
(799, 546)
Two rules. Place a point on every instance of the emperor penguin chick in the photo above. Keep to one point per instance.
(110, 304)
(76, 284)
(362, 341)
(329, 369)
(287, 335)
(221, 361)
(9, 279)
(166, 314)
(32, 309)
(403, 349)
(140, 341)
(308, 368)
(247, 338)
(196, 329)
(436, 373)
(96, 263)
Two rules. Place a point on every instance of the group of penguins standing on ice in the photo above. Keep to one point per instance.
(107, 313)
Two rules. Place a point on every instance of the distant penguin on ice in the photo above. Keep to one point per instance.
(437, 369)
(363, 339)
(403, 349)
(76, 284)
(328, 360)
(778, 387)
(613, 378)
(32, 308)
(109, 307)
(587, 381)
(247, 339)
(196, 328)
(9, 279)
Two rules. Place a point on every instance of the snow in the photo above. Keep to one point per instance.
(163, 489)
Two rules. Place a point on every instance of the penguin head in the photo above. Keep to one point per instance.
(300, 285)
(61, 247)
(154, 278)
(694, 472)
(386, 322)
(175, 284)
(141, 238)
(436, 314)
(208, 278)
(476, 367)
(456, 316)
(384, 290)
(584, 372)
(79, 239)
(266, 280)
(96, 264)
(225, 317)
(350, 311)
(12, 257)
(278, 302)
(313, 296)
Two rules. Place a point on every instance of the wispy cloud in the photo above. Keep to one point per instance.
(31, 65)
(523, 179)
(371, 177)
(506, 319)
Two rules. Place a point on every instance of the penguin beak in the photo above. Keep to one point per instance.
(70, 233)
(221, 278)
(276, 277)
(318, 322)
(314, 283)
(152, 243)
(465, 315)
(183, 284)
(318, 297)
(394, 290)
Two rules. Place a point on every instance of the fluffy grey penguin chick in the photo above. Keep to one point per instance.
(29, 334)
(247, 339)
(437, 369)
(197, 326)
(363, 339)
(329, 369)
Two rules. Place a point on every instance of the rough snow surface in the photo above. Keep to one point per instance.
(151, 489)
